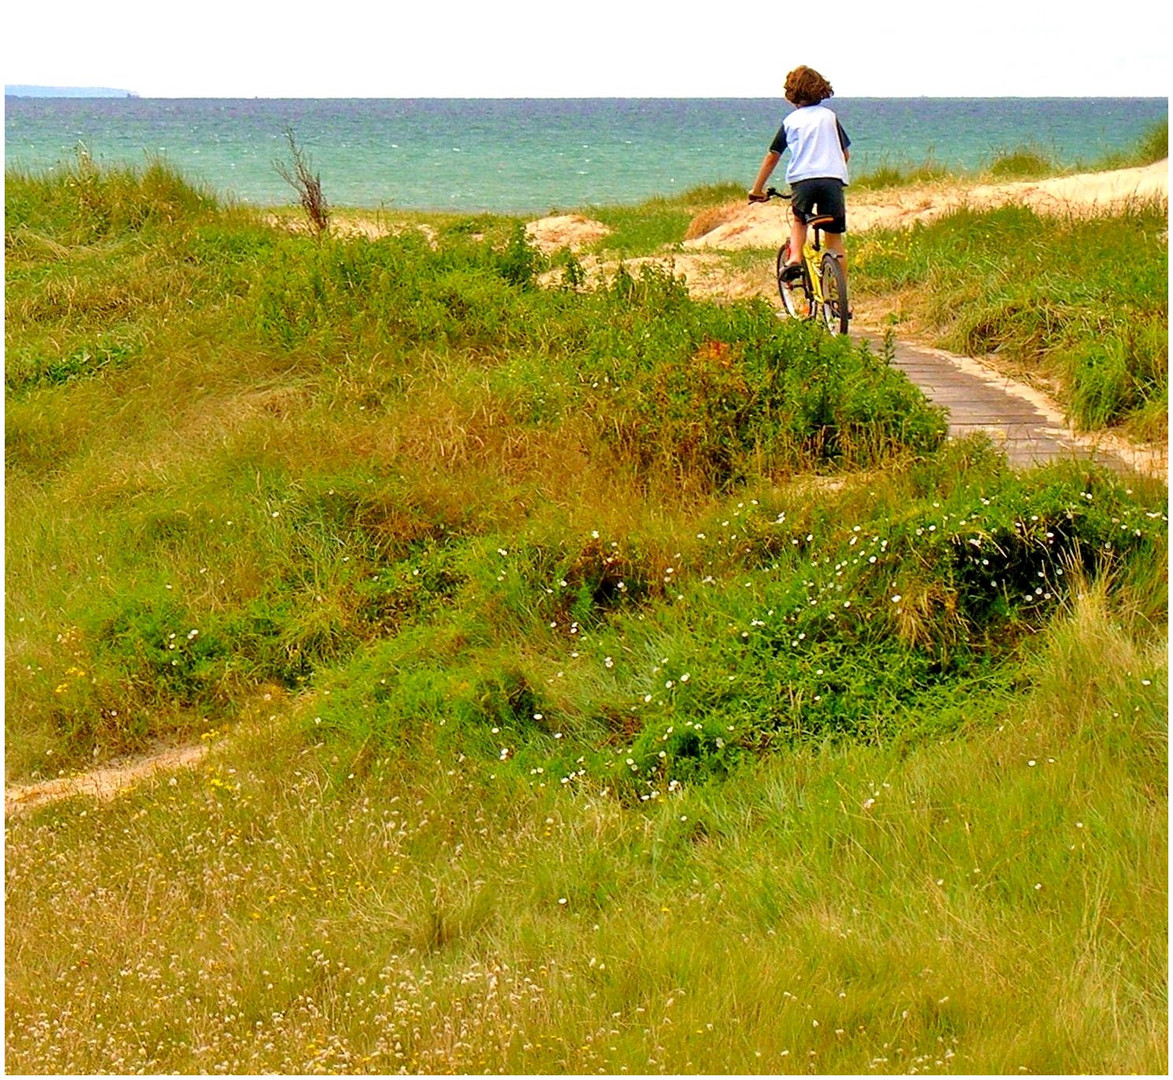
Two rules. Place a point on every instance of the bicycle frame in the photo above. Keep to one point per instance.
(816, 267)
(811, 251)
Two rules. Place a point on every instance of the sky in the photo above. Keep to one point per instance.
(603, 48)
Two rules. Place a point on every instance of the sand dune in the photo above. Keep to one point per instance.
(742, 225)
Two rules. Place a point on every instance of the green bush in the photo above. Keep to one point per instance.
(1024, 163)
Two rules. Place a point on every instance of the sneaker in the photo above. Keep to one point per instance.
(792, 272)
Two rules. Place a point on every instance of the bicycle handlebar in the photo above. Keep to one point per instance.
(770, 193)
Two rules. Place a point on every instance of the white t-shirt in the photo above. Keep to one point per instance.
(816, 142)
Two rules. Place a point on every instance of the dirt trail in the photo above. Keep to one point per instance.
(103, 783)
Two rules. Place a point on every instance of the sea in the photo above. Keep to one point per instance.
(542, 155)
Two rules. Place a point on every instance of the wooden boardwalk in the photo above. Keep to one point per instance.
(1029, 429)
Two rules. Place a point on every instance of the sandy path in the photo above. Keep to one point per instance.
(104, 783)
(759, 225)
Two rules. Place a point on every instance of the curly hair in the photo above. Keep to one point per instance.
(805, 86)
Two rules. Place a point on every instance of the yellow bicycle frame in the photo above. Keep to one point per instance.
(812, 256)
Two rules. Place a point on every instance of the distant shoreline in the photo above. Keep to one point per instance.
(23, 91)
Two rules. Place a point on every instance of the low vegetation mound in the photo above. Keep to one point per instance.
(333, 437)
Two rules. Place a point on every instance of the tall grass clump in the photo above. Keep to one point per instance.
(1151, 147)
(1022, 163)
(886, 175)
(95, 264)
(85, 202)
(1154, 144)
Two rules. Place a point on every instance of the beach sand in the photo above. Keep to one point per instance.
(745, 225)
(740, 224)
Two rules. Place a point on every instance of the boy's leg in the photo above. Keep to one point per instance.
(834, 244)
(797, 239)
(831, 202)
(801, 206)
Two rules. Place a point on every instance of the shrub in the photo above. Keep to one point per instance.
(1023, 163)
(84, 203)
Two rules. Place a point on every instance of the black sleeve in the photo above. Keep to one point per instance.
(779, 143)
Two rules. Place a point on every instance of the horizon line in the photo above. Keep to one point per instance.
(118, 93)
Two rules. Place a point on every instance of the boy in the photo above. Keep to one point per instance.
(817, 171)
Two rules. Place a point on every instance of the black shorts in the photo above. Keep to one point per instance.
(819, 196)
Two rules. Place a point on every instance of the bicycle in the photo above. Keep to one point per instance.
(822, 288)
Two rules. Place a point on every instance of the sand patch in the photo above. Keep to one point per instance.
(573, 231)
(762, 225)
(351, 224)
(706, 276)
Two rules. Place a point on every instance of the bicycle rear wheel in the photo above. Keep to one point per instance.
(796, 295)
(835, 310)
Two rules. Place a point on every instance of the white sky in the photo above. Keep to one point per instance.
(556, 48)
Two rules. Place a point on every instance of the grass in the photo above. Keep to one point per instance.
(648, 228)
(889, 176)
(1152, 147)
(1023, 163)
(595, 680)
(991, 902)
(1018, 163)
(1091, 324)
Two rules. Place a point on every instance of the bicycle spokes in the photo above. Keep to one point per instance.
(834, 295)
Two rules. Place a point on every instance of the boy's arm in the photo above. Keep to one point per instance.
(756, 194)
(844, 141)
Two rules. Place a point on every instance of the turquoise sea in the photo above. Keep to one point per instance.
(537, 155)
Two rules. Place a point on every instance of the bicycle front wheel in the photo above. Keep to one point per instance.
(835, 309)
(796, 295)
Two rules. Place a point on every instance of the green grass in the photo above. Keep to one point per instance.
(85, 203)
(1018, 163)
(652, 225)
(1026, 162)
(1023, 163)
(595, 680)
(992, 902)
(1152, 147)
(889, 176)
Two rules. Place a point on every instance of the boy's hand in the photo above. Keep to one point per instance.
(758, 196)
